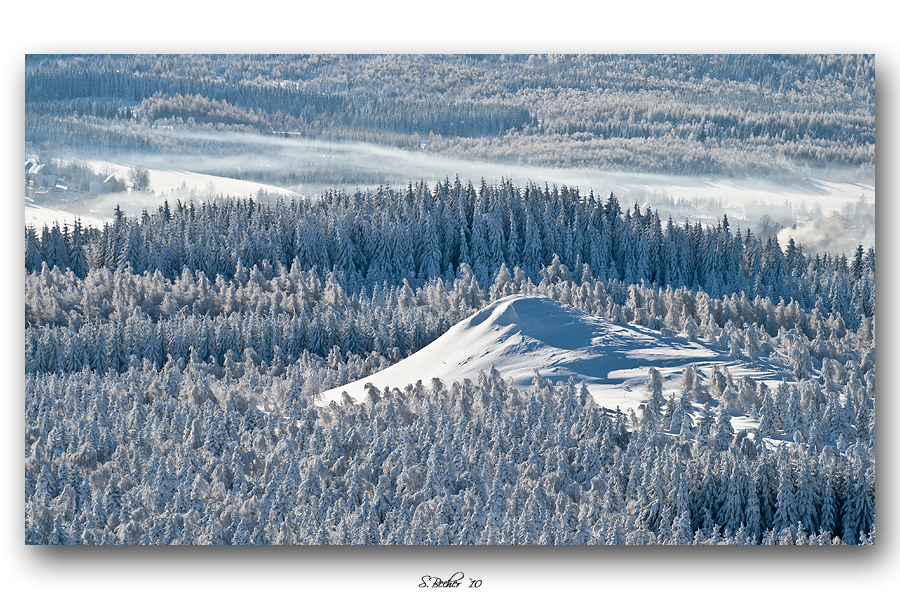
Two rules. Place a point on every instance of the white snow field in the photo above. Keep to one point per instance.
(171, 185)
(169, 181)
(521, 334)
(38, 216)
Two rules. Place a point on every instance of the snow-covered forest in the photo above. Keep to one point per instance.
(176, 362)
(767, 115)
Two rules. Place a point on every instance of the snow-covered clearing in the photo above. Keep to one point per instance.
(38, 216)
(757, 194)
(169, 184)
(171, 181)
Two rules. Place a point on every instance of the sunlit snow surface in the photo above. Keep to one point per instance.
(167, 184)
(521, 334)
(38, 216)
(170, 181)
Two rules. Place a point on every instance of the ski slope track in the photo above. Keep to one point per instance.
(521, 334)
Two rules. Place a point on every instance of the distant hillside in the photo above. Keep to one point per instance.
(689, 114)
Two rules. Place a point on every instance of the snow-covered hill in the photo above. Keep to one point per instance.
(521, 334)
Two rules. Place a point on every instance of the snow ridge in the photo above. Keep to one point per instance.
(521, 334)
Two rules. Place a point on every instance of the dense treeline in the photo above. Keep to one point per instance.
(385, 236)
(112, 320)
(736, 114)
(174, 362)
(179, 457)
(73, 89)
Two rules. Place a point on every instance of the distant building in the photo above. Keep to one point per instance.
(45, 180)
(108, 185)
(111, 184)
(36, 175)
(34, 171)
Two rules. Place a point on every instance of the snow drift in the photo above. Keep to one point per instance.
(519, 335)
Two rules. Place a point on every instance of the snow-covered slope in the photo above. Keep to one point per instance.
(171, 180)
(38, 216)
(521, 334)
(171, 184)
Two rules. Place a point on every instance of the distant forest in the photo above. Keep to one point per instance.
(689, 114)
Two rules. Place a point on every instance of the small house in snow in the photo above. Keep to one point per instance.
(34, 172)
(108, 185)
